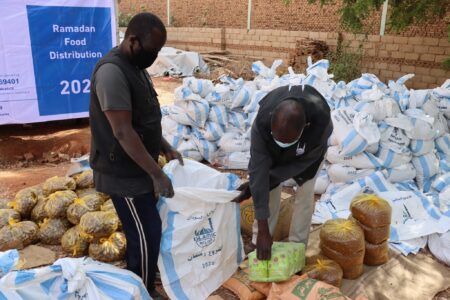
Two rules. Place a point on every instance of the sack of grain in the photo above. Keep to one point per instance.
(443, 144)
(109, 249)
(83, 205)
(421, 147)
(58, 202)
(108, 205)
(84, 180)
(371, 210)
(99, 224)
(56, 183)
(18, 235)
(7, 214)
(376, 254)
(343, 241)
(84, 192)
(240, 285)
(4, 203)
(24, 202)
(38, 213)
(323, 269)
(375, 235)
(73, 243)
(52, 230)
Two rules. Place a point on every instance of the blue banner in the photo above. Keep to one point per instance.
(66, 43)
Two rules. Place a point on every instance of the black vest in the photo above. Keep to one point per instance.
(107, 155)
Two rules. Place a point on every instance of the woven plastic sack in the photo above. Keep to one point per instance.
(234, 142)
(18, 235)
(376, 235)
(421, 147)
(206, 148)
(401, 173)
(84, 180)
(99, 224)
(172, 127)
(439, 245)
(371, 210)
(196, 112)
(443, 144)
(56, 183)
(376, 254)
(426, 167)
(38, 213)
(201, 87)
(363, 160)
(218, 114)
(109, 249)
(391, 159)
(58, 202)
(81, 206)
(52, 230)
(73, 243)
(24, 201)
(211, 132)
(7, 214)
(339, 173)
(241, 286)
(394, 138)
(323, 269)
(287, 259)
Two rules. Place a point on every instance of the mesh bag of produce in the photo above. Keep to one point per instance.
(7, 214)
(4, 203)
(99, 224)
(108, 205)
(324, 269)
(83, 205)
(58, 203)
(56, 183)
(371, 210)
(51, 230)
(84, 180)
(351, 264)
(38, 213)
(89, 191)
(73, 243)
(24, 202)
(376, 254)
(17, 235)
(344, 236)
(109, 249)
(376, 235)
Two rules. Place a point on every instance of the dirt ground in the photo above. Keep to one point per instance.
(31, 154)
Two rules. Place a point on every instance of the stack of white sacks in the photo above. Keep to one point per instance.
(381, 132)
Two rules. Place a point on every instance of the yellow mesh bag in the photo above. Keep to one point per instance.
(82, 206)
(109, 249)
(7, 214)
(324, 269)
(17, 235)
(38, 213)
(84, 180)
(73, 243)
(52, 230)
(58, 202)
(376, 235)
(342, 235)
(108, 205)
(98, 224)
(56, 183)
(24, 202)
(371, 210)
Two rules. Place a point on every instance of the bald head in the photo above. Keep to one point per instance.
(288, 121)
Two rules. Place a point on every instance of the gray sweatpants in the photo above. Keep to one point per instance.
(301, 216)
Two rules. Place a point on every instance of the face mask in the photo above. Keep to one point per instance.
(144, 59)
(285, 145)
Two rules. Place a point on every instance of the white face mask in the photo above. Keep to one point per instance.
(286, 145)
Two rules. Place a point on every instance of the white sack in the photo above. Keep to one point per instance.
(391, 159)
(196, 111)
(439, 245)
(322, 182)
(443, 144)
(201, 87)
(172, 127)
(234, 142)
(394, 138)
(339, 173)
(421, 147)
(218, 114)
(363, 160)
(401, 173)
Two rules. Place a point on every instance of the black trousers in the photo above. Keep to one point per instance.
(142, 227)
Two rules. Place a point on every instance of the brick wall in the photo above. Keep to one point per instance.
(388, 57)
(266, 14)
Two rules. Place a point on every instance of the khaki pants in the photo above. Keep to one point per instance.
(301, 216)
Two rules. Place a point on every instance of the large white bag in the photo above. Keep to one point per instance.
(201, 245)
(196, 111)
(426, 166)
(363, 160)
(394, 138)
(339, 173)
(234, 142)
(322, 182)
(391, 159)
(172, 127)
(218, 114)
(443, 144)
(421, 147)
(401, 173)
(439, 245)
(76, 278)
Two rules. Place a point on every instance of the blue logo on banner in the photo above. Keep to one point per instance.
(66, 43)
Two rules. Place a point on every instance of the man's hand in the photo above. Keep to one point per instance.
(263, 241)
(245, 193)
(172, 154)
(162, 185)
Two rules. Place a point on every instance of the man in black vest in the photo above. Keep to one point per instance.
(288, 140)
(125, 120)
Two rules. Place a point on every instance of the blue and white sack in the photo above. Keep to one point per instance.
(218, 114)
(254, 102)
(441, 182)
(201, 87)
(444, 161)
(237, 119)
(201, 245)
(8, 261)
(426, 166)
(188, 148)
(172, 127)
(76, 278)
(401, 173)
(394, 138)
(339, 173)
(206, 148)
(242, 96)
(197, 112)
(391, 159)
(221, 95)
(421, 147)
(363, 160)
(212, 131)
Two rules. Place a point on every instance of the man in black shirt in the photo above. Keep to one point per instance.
(288, 140)
(125, 120)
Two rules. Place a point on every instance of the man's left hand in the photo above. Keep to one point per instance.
(172, 154)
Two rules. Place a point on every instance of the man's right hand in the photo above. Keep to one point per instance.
(263, 241)
(245, 193)
(162, 185)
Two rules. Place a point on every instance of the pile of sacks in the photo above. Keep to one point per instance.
(64, 211)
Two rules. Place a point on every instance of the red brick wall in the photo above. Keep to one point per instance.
(266, 14)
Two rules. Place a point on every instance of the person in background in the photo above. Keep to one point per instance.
(127, 140)
(288, 140)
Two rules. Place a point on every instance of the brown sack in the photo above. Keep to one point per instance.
(371, 210)
(240, 285)
(73, 243)
(58, 202)
(38, 213)
(8, 214)
(18, 235)
(84, 180)
(351, 264)
(24, 201)
(52, 230)
(56, 183)
(324, 269)
(343, 236)
(376, 254)
(376, 235)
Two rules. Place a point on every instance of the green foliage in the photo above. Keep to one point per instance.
(124, 19)
(345, 63)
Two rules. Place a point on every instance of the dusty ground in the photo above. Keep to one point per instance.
(31, 154)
